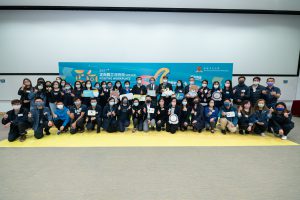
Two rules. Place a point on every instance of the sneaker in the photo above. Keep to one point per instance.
(263, 134)
(58, 132)
(284, 137)
(22, 138)
(47, 132)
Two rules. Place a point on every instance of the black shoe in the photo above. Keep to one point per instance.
(47, 132)
(247, 132)
(98, 129)
(241, 132)
(200, 130)
(224, 132)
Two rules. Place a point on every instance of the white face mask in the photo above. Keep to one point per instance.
(118, 84)
(16, 107)
(111, 103)
(127, 85)
(88, 85)
(204, 84)
(40, 87)
(136, 104)
(139, 81)
(192, 82)
(178, 84)
(216, 86)
(77, 86)
(184, 103)
(165, 80)
(255, 82)
(60, 106)
(261, 105)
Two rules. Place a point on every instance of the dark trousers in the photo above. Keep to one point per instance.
(286, 129)
(79, 126)
(17, 130)
(160, 125)
(123, 124)
(110, 125)
(58, 123)
(38, 133)
(138, 124)
(90, 125)
(258, 129)
(172, 128)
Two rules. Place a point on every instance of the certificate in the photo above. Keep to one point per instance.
(152, 93)
(230, 114)
(129, 96)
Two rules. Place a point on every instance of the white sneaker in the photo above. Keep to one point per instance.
(263, 134)
(284, 137)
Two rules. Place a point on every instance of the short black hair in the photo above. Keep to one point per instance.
(256, 77)
(37, 98)
(242, 77)
(15, 101)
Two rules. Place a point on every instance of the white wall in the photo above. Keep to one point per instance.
(222, 4)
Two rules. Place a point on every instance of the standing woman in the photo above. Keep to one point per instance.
(260, 118)
(48, 90)
(197, 116)
(161, 115)
(216, 94)
(78, 89)
(137, 115)
(118, 87)
(110, 123)
(103, 94)
(38, 91)
(184, 119)
(68, 95)
(281, 120)
(56, 96)
(24, 91)
(204, 93)
(179, 89)
(174, 113)
(127, 88)
(87, 100)
(227, 91)
(124, 114)
(244, 113)
(211, 113)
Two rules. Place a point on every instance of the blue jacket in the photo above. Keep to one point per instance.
(62, 114)
(35, 119)
(234, 119)
(214, 115)
(260, 116)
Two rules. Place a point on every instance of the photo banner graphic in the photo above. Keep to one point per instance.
(111, 71)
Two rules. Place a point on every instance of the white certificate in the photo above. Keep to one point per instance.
(151, 110)
(152, 93)
(91, 112)
(230, 114)
(129, 96)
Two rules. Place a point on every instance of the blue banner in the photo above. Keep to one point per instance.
(110, 71)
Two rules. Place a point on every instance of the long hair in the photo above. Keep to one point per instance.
(256, 105)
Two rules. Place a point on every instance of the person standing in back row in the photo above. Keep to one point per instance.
(241, 91)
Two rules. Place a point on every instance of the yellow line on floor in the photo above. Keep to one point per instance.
(149, 139)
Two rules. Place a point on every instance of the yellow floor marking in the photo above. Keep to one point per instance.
(149, 139)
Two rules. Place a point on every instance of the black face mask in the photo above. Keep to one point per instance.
(148, 101)
(241, 82)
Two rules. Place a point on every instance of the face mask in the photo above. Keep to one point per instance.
(55, 86)
(241, 82)
(192, 82)
(216, 86)
(178, 84)
(152, 82)
(118, 84)
(63, 84)
(109, 86)
(227, 85)
(173, 103)
(88, 85)
(16, 107)
(68, 87)
(111, 103)
(184, 103)
(60, 106)
(77, 103)
(139, 81)
(226, 104)
(94, 104)
(255, 82)
(39, 104)
(77, 86)
(280, 109)
(40, 87)
(165, 80)
(204, 84)
(103, 86)
(125, 102)
(270, 83)
(148, 101)
(135, 103)
(126, 85)
(97, 86)
(58, 80)
(261, 105)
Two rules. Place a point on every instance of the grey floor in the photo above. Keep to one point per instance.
(163, 173)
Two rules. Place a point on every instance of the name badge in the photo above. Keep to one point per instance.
(230, 114)
(243, 90)
(151, 110)
(20, 115)
(91, 112)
